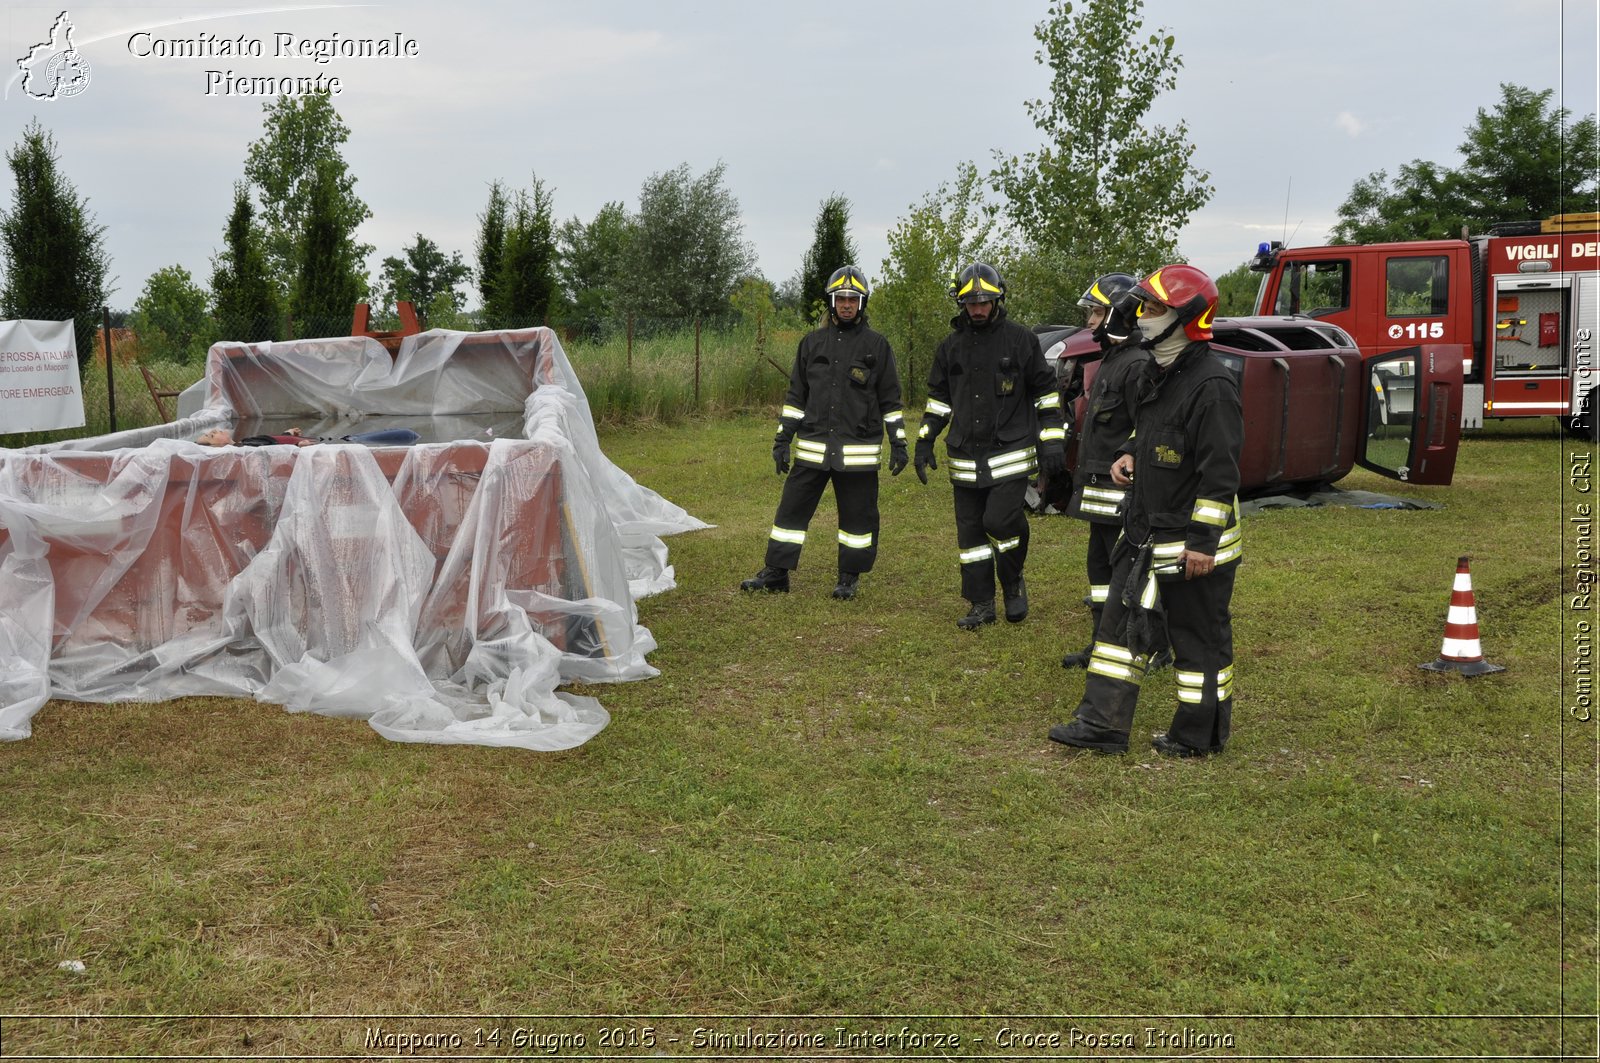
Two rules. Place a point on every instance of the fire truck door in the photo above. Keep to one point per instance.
(1411, 421)
(1530, 326)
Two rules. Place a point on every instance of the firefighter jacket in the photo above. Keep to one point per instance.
(1188, 430)
(991, 386)
(844, 391)
(1107, 424)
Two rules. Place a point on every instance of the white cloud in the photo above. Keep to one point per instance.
(1350, 124)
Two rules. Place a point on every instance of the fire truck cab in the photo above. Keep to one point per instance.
(1519, 305)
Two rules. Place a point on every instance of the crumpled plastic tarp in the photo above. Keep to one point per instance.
(1328, 495)
(441, 591)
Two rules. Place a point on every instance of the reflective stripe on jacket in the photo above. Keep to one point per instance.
(1107, 424)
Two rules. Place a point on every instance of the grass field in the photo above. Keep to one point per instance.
(850, 809)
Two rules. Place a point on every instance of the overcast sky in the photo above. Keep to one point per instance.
(1288, 105)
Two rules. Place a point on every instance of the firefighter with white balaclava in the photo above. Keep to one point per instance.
(1181, 539)
(844, 395)
(990, 384)
(1107, 424)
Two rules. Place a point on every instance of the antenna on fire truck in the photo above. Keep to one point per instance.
(1287, 235)
(1287, 189)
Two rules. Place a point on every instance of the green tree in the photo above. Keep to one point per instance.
(1109, 190)
(52, 246)
(330, 280)
(752, 300)
(688, 247)
(755, 300)
(243, 294)
(1423, 202)
(911, 304)
(787, 296)
(1521, 161)
(590, 260)
(300, 146)
(171, 317)
(491, 242)
(831, 247)
(525, 276)
(1237, 290)
(426, 278)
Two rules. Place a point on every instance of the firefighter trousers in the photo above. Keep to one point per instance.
(992, 533)
(1102, 538)
(1200, 627)
(857, 496)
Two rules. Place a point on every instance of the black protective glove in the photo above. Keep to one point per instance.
(925, 459)
(898, 458)
(780, 453)
(1052, 460)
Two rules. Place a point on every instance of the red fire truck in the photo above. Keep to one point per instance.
(1519, 305)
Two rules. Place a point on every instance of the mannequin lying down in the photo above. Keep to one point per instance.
(223, 437)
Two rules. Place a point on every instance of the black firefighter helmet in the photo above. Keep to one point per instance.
(978, 283)
(848, 280)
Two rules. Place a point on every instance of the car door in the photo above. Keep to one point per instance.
(1411, 421)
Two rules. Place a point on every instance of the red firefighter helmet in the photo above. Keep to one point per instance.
(1188, 291)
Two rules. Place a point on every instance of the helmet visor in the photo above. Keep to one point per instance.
(1130, 304)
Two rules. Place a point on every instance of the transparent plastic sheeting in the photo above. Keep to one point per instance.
(440, 591)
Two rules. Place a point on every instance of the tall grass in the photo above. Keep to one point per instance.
(654, 377)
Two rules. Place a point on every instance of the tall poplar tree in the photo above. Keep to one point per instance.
(330, 280)
(831, 247)
(243, 294)
(527, 276)
(301, 144)
(1109, 189)
(491, 241)
(51, 246)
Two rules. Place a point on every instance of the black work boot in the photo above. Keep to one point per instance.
(1079, 659)
(1171, 747)
(1017, 602)
(845, 589)
(768, 579)
(1082, 735)
(980, 614)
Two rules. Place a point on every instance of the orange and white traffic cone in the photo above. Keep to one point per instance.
(1461, 651)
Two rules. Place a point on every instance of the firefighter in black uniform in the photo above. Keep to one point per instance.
(844, 393)
(990, 384)
(1107, 424)
(1181, 542)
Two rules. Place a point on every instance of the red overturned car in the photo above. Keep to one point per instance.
(1314, 406)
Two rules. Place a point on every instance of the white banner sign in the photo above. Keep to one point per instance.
(38, 377)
